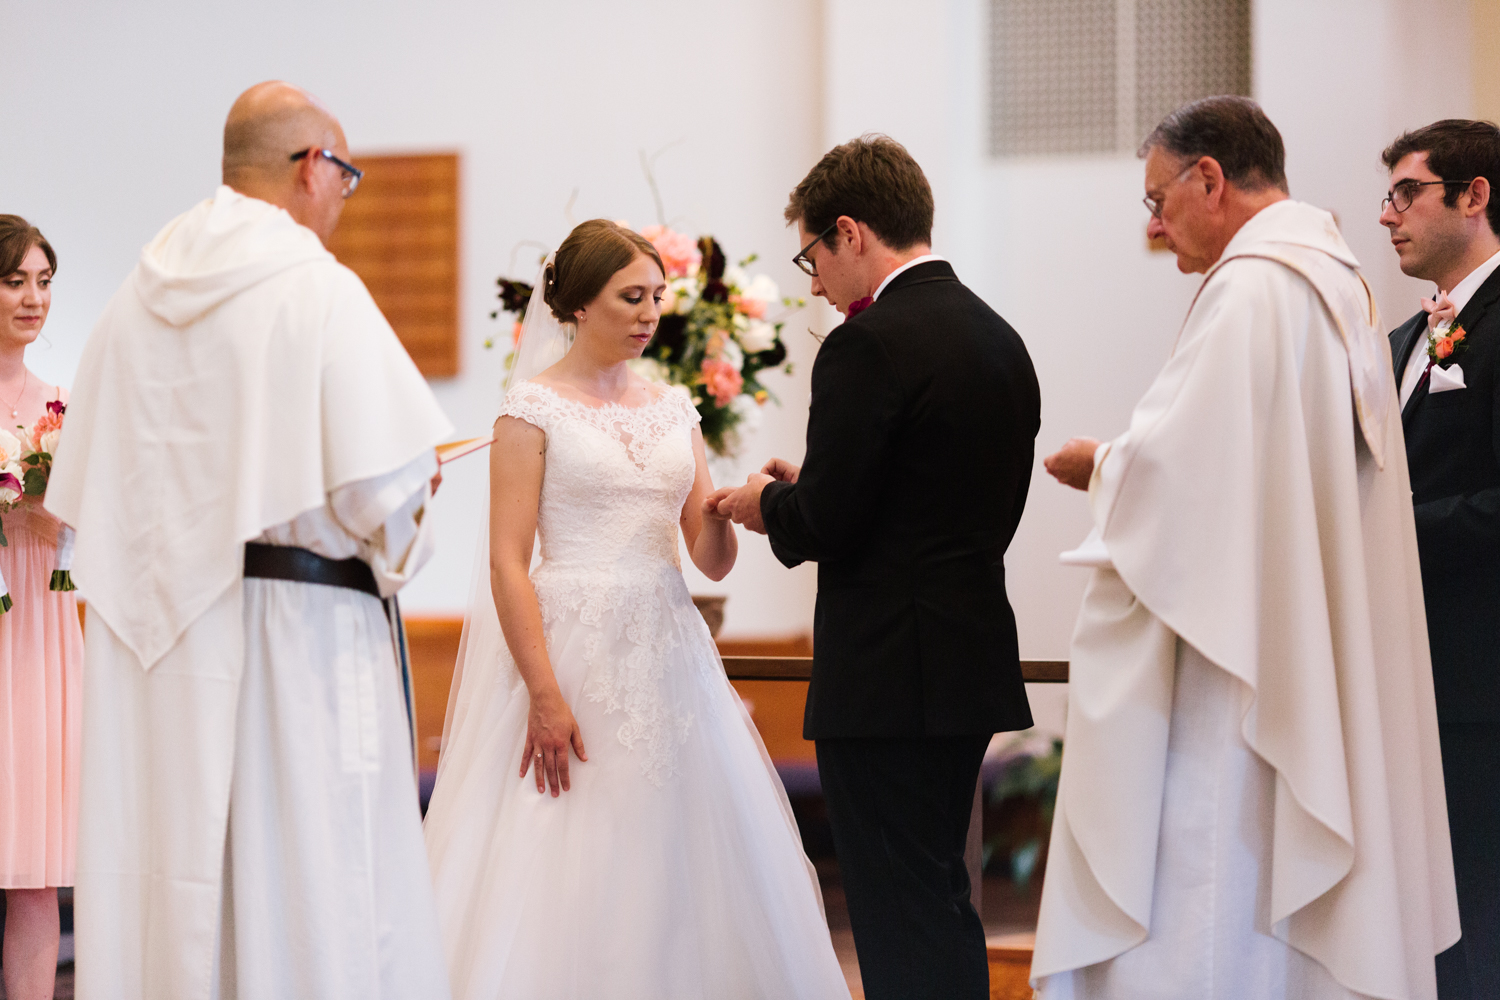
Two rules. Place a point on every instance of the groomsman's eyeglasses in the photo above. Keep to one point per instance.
(805, 262)
(352, 174)
(1405, 192)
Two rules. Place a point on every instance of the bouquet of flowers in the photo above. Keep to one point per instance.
(25, 466)
(715, 336)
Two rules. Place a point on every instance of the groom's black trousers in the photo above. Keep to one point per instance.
(900, 812)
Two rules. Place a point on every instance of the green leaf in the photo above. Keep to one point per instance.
(34, 482)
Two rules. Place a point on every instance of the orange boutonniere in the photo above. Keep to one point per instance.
(1442, 347)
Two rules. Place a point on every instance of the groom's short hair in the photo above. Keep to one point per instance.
(1232, 130)
(872, 179)
(1457, 149)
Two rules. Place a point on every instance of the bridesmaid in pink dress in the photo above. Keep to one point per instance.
(41, 654)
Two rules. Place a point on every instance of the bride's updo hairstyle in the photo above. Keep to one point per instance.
(585, 262)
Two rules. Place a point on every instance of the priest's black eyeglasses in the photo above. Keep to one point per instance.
(803, 261)
(352, 174)
(1405, 192)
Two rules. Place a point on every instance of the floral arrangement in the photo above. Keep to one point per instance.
(25, 467)
(715, 336)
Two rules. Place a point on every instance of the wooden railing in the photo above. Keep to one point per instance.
(799, 668)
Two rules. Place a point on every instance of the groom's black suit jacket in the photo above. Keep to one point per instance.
(920, 438)
(1453, 451)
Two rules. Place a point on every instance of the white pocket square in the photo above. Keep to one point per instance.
(1445, 379)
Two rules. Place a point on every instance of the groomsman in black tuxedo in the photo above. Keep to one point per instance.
(920, 438)
(1443, 214)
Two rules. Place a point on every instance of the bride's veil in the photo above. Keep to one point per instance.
(542, 344)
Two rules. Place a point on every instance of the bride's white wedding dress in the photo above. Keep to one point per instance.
(673, 868)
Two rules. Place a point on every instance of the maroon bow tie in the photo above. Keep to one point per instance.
(859, 306)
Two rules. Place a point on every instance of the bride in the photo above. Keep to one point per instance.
(606, 823)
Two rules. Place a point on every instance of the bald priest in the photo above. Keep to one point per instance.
(1251, 804)
(247, 462)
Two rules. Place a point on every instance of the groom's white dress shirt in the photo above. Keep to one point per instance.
(924, 259)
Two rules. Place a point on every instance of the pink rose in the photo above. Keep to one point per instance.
(754, 308)
(679, 253)
(722, 381)
(48, 421)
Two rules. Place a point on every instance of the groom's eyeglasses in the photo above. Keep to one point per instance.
(352, 175)
(1405, 192)
(805, 262)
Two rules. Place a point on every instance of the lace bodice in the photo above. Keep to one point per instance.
(614, 482)
(616, 476)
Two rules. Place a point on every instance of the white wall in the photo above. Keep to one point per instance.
(116, 115)
(115, 118)
(1057, 245)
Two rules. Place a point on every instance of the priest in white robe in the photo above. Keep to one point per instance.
(1251, 802)
(248, 820)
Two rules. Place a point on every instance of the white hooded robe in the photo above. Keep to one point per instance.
(248, 817)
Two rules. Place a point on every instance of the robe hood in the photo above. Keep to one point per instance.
(238, 377)
(1307, 240)
(1294, 222)
(216, 250)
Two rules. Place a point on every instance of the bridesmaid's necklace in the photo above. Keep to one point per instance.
(15, 406)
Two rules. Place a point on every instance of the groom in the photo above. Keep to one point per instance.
(919, 453)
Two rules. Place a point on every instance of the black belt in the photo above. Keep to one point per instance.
(287, 562)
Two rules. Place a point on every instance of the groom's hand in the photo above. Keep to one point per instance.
(781, 470)
(744, 503)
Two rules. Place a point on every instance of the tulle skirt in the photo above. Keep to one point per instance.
(672, 869)
(41, 698)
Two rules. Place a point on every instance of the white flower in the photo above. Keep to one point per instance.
(730, 351)
(758, 336)
(680, 297)
(761, 288)
(10, 450)
(748, 410)
(736, 278)
(10, 461)
(649, 369)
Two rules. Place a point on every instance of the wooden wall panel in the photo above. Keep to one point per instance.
(399, 233)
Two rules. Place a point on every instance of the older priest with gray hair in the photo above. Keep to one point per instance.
(1251, 802)
(247, 462)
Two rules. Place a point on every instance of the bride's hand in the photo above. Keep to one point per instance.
(550, 731)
